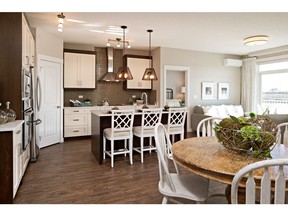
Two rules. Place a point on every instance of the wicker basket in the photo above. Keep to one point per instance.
(254, 136)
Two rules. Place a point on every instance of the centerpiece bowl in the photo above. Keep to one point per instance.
(254, 135)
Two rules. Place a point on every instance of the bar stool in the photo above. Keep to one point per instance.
(176, 121)
(121, 129)
(150, 117)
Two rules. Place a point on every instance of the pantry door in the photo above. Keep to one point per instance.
(49, 101)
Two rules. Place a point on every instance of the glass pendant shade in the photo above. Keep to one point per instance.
(149, 74)
(123, 73)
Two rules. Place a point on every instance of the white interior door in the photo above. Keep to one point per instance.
(49, 100)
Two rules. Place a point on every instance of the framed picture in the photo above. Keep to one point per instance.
(208, 91)
(223, 91)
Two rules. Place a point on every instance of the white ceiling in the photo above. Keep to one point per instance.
(216, 32)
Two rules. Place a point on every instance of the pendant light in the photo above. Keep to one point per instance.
(123, 72)
(150, 73)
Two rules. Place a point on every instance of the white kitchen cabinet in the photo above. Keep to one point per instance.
(77, 122)
(28, 45)
(17, 158)
(79, 70)
(137, 65)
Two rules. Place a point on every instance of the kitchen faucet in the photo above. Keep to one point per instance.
(146, 97)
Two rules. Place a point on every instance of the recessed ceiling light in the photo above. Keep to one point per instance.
(97, 31)
(256, 40)
(76, 21)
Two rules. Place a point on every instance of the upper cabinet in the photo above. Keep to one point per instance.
(28, 45)
(79, 70)
(137, 65)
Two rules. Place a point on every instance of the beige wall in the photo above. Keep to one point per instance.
(204, 67)
(48, 44)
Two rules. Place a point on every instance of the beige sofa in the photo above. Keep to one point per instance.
(223, 111)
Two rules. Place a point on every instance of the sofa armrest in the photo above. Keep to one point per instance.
(196, 118)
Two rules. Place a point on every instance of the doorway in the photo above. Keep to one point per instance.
(49, 101)
(171, 69)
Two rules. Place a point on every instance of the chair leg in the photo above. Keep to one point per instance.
(104, 147)
(131, 150)
(164, 200)
(125, 146)
(112, 153)
(141, 149)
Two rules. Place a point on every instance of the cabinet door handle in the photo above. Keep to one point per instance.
(18, 132)
(76, 131)
(75, 119)
(76, 111)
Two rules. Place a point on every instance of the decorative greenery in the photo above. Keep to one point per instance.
(254, 135)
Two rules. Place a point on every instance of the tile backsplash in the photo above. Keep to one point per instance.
(113, 92)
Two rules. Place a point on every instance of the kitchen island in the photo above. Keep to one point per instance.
(102, 119)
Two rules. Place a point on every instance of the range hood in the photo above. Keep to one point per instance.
(109, 76)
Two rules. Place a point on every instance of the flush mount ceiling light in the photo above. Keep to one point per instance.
(256, 40)
(60, 22)
(150, 73)
(123, 72)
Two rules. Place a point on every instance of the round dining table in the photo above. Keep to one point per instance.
(206, 157)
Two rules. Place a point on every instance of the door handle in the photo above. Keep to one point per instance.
(58, 107)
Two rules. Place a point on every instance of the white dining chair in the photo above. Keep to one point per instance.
(269, 193)
(176, 122)
(206, 126)
(150, 117)
(172, 184)
(121, 129)
(282, 133)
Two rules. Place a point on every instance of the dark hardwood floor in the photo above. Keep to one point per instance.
(68, 173)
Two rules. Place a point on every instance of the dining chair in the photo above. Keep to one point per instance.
(121, 129)
(150, 117)
(176, 122)
(173, 184)
(282, 133)
(265, 188)
(206, 126)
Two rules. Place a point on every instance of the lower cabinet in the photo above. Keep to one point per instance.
(17, 159)
(77, 122)
(20, 158)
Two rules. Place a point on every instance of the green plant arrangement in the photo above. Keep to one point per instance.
(255, 135)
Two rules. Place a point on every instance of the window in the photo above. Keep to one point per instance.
(274, 88)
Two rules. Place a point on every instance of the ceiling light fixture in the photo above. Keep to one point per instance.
(150, 73)
(256, 40)
(118, 40)
(60, 22)
(123, 72)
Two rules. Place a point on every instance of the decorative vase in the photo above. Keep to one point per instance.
(9, 112)
(3, 116)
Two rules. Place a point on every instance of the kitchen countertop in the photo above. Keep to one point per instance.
(10, 126)
(108, 113)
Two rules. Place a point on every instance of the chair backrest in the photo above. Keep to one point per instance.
(163, 146)
(150, 117)
(272, 167)
(122, 120)
(206, 126)
(282, 133)
(176, 118)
